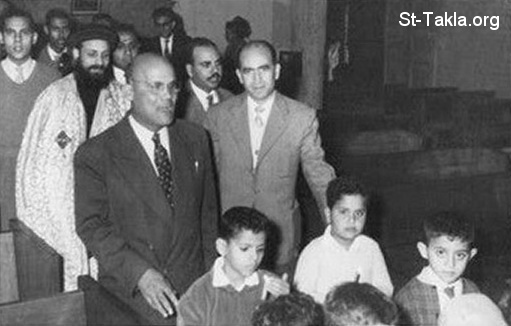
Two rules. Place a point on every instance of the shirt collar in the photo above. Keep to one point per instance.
(268, 104)
(54, 55)
(220, 279)
(330, 238)
(202, 95)
(27, 65)
(146, 134)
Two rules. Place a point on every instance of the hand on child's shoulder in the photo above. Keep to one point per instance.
(275, 285)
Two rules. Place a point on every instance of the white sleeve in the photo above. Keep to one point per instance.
(307, 273)
(380, 274)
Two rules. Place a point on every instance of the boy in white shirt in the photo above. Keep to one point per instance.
(342, 253)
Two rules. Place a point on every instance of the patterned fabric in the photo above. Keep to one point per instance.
(418, 302)
(44, 172)
(164, 167)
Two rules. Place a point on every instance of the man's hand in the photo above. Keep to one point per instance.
(157, 292)
(275, 286)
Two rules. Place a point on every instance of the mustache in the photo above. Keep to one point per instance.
(96, 67)
(215, 75)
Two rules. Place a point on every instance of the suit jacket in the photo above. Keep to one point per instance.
(63, 66)
(419, 302)
(190, 108)
(178, 53)
(124, 219)
(291, 138)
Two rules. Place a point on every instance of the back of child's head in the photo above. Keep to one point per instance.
(356, 304)
(472, 309)
(342, 186)
(294, 309)
(450, 224)
(238, 219)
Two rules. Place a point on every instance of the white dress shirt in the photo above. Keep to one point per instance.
(220, 279)
(169, 44)
(203, 96)
(145, 136)
(324, 264)
(54, 56)
(428, 276)
(11, 69)
(257, 133)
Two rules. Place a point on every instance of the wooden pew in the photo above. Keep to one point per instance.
(8, 276)
(39, 267)
(91, 305)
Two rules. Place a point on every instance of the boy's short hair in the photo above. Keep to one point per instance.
(237, 219)
(342, 186)
(356, 304)
(15, 12)
(294, 309)
(450, 224)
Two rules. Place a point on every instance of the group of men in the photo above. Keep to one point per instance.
(105, 167)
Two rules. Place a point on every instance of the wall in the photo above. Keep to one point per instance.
(470, 58)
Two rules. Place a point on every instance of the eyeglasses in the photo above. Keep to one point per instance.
(160, 87)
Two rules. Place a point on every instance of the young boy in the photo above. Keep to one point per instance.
(354, 304)
(342, 253)
(447, 246)
(229, 293)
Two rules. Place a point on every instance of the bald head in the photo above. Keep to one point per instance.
(154, 91)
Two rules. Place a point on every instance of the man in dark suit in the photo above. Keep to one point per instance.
(171, 40)
(261, 138)
(204, 69)
(145, 198)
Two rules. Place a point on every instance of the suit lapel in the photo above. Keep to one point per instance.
(276, 125)
(137, 169)
(241, 131)
(182, 162)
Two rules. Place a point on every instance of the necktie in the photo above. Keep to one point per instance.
(259, 117)
(211, 100)
(166, 50)
(19, 75)
(164, 167)
(449, 291)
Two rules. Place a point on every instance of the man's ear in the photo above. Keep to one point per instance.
(76, 54)
(46, 30)
(1, 38)
(238, 73)
(221, 246)
(189, 70)
(277, 71)
(473, 252)
(328, 215)
(34, 38)
(423, 250)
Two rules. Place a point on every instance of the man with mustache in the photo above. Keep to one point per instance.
(204, 70)
(57, 28)
(72, 109)
(145, 198)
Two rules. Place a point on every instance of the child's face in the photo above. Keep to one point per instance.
(348, 217)
(447, 256)
(242, 254)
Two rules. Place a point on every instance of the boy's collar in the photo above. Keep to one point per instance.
(220, 279)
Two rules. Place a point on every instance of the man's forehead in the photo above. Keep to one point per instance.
(17, 22)
(255, 57)
(96, 44)
(59, 22)
(126, 37)
(203, 53)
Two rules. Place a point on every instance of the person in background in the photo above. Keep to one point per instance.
(125, 52)
(447, 246)
(474, 309)
(146, 204)
(232, 289)
(359, 304)
(5, 5)
(22, 79)
(294, 309)
(204, 69)
(342, 253)
(78, 106)
(237, 33)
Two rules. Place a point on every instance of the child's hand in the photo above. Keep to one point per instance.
(275, 286)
